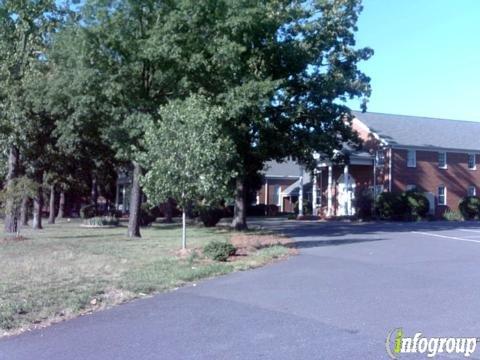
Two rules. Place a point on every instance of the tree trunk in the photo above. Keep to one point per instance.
(169, 211)
(51, 210)
(240, 211)
(24, 211)
(184, 229)
(135, 203)
(38, 204)
(61, 205)
(11, 223)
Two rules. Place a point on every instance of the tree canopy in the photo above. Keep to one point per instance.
(175, 91)
(197, 165)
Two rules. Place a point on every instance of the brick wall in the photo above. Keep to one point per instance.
(427, 176)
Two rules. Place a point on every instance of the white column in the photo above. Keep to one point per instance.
(348, 203)
(280, 198)
(321, 189)
(117, 195)
(314, 193)
(390, 170)
(329, 192)
(300, 195)
(266, 191)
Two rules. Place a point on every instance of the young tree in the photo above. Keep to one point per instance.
(197, 165)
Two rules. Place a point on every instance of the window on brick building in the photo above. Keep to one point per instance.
(442, 195)
(472, 162)
(472, 190)
(411, 187)
(411, 158)
(442, 160)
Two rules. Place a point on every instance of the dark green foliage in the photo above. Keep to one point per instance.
(470, 207)
(210, 216)
(417, 204)
(453, 215)
(219, 250)
(88, 211)
(148, 214)
(114, 213)
(364, 204)
(391, 206)
(262, 210)
(307, 207)
(408, 205)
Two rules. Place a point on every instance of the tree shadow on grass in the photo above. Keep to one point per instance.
(164, 226)
(93, 236)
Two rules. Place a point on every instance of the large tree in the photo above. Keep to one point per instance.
(281, 68)
(132, 87)
(74, 96)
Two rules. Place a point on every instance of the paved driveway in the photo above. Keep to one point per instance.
(351, 285)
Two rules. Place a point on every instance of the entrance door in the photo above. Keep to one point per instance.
(346, 195)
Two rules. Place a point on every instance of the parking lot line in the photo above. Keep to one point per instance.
(445, 236)
(470, 230)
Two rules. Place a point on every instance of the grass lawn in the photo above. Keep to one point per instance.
(65, 270)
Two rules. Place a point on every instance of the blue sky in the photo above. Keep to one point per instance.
(427, 57)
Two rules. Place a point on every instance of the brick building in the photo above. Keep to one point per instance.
(435, 156)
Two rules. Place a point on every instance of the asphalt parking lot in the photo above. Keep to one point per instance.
(351, 284)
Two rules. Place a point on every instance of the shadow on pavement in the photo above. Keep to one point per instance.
(331, 230)
(305, 244)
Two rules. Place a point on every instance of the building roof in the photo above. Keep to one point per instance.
(288, 168)
(423, 132)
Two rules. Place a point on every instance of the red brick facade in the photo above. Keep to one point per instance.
(427, 176)
(270, 189)
(392, 174)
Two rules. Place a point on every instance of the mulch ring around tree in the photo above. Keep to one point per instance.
(247, 243)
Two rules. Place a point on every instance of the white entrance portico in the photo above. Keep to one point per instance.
(346, 194)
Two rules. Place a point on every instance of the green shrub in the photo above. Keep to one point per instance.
(470, 207)
(453, 215)
(409, 205)
(417, 204)
(102, 221)
(88, 211)
(262, 210)
(210, 216)
(219, 250)
(391, 206)
(364, 204)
